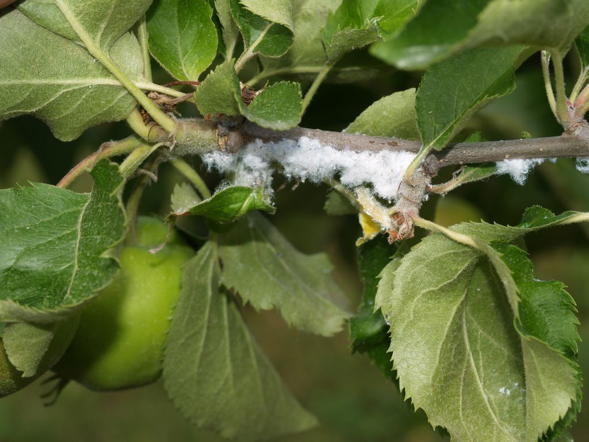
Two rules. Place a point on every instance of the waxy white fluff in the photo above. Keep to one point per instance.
(583, 165)
(518, 169)
(308, 159)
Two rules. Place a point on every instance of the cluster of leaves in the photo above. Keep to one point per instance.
(476, 342)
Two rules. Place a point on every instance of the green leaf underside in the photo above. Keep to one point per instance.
(393, 15)
(368, 329)
(583, 46)
(534, 218)
(55, 240)
(276, 11)
(103, 20)
(229, 28)
(215, 372)
(58, 81)
(278, 107)
(452, 327)
(182, 36)
(26, 344)
(267, 37)
(446, 26)
(307, 48)
(391, 116)
(452, 90)
(32, 349)
(217, 93)
(231, 203)
(183, 198)
(350, 27)
(267, 272)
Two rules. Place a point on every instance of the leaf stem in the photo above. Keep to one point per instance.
(249, 52)
(149, 133)
(134, 200)
(148, 86)
(156, 113)
(421, 155)
(106, 150)
(579, 84)
(280, 71)
(315, 85)
(136, 158)
(545, 57)
(458, 237)
(561, 98)
(143, 36)
(191, 175)
(582, 102)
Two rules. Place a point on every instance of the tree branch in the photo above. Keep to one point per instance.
(196, 136)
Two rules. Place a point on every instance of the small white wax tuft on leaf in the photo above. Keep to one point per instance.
(308, 159)
(518, 169)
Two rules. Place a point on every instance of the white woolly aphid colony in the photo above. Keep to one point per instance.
(309, 160)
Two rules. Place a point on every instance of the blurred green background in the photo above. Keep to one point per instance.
(352, 400)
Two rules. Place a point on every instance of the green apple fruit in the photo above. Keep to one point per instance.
(121, 337)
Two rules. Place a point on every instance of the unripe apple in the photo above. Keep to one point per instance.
(122, 332)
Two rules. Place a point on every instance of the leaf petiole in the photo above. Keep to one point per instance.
(545, 57)
(315, 85)
(106, 150)
(249, 53)
(561, 99)
(143, 36)
(191, 175)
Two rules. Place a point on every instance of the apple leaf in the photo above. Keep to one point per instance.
(453, 327)
(182, 36)
(215, 372)
(217, 93)
(393, 15)
(183, 198)
(468, 174)
(391, 116)
(350, 27)
(104, 21)
(307, 49)
(276, 11)
(453, 90)
(582, 42)
(444, 27)
(534, 218)
(32, 348)
(230, 204)
(266, 27)
(266, 270)
(53, 255)
(60, 84)
(278, 107)
(368, 329)
(229, 27)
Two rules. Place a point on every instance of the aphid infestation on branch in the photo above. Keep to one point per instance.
(391, 108)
